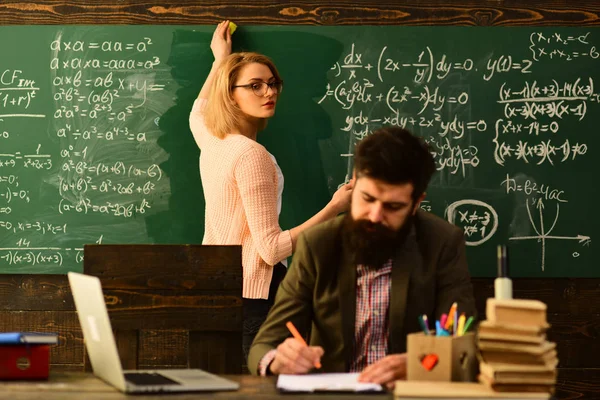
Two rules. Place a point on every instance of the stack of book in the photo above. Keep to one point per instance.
(514, 354)
(25, 355)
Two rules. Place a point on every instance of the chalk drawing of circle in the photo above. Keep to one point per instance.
(451, 215)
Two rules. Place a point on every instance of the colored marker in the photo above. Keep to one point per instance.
(423, 322)
(455, 323)
(443, 319)
(502, 284)
(299, 338)
(450, 319)
(460, 329)
(468, 324)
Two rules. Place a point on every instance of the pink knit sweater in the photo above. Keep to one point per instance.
(239, 181)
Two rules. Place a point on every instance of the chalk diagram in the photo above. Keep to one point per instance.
(543, 235)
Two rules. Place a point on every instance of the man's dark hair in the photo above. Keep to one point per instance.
(394, 155)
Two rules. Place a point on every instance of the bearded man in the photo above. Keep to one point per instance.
(358, 283)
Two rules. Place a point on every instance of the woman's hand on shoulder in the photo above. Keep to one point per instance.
(341, 198)
(221, 41)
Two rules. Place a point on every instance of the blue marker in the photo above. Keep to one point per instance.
(439, 331)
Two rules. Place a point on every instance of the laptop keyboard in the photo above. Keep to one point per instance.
(148, 378)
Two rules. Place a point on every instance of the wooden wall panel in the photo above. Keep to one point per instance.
(331, 12)
(164, 349)
(215, 351)
(152, 313)
(35, 293)
(197, 289)
(578, 383)
(166, 267)
(196, 310)
(573, 312)
(127, 346)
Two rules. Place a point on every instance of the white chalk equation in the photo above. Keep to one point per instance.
(478, 220)
(78, 150)
(370, 86)
(563, 47)
(24, 255)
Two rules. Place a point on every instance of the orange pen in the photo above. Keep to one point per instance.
(299, 338)
(450, 319)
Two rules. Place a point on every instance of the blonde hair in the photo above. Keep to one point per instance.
(221, 114)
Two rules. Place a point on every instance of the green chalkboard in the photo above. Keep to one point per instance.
(95, 145)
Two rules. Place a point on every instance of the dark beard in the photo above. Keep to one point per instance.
(373, 244)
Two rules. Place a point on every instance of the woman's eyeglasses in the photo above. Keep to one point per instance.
(260, 88)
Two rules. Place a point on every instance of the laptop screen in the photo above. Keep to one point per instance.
(97, 331)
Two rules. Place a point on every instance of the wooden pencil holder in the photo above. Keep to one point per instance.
(441, 358)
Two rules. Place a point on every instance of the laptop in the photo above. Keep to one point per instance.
(102, 350)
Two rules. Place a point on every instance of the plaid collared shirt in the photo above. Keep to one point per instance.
(371, 321)
(372, 310)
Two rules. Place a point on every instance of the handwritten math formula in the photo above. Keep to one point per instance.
(486, 113)
(93, 151)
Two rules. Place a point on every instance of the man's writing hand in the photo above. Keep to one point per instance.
(294, 357)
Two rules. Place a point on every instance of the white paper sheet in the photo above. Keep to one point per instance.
(325, 382)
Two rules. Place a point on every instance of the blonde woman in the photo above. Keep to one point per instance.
(241, 180)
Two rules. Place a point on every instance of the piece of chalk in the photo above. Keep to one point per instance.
(232, 27)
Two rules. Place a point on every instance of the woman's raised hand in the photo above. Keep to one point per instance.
(341, 198)
(221, 41)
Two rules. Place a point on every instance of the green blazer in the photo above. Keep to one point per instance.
(429, 273)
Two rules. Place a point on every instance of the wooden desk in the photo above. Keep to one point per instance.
(80, 385)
